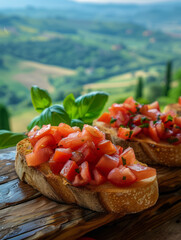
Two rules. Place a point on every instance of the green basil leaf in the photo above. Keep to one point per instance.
(91, 105)
(34, 122)
(70, 106)
(52, 115)
(77, 122)
(40, 98)
(10, 139)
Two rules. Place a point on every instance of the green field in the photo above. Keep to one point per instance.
(75, 56)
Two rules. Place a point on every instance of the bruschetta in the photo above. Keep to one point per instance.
(154, 136)
(82, 167)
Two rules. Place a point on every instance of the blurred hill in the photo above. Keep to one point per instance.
(66, 47)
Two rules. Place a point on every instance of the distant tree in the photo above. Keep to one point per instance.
(168, 78)
(4, 118)
(139, 88)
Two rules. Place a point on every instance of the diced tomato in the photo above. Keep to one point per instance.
(55, 132)
(121, 177)
(127, 157)
(34, 159)
(45, 130)
(46, 141)
(169, 119)
(178, 121)
(74, 140)
(33, 131)
(62, 155)
(160, 129)
(131, 104)
(98, 178)
(154, 105)
(78, 181)
(119, 149)
(105, 117)
(136, 130)
(93, 132)
(105, 147)
(175, 140)
(139, 119)
(69, 170)
(85, 172)
(106, 163)
(179, 100)
(125, 133)
(167, 134)
(151, 113)
(65, 129)
(153, 132)
(56, 167)
(142, 172)
(89, 152)
(78, 157)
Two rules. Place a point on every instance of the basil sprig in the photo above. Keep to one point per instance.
(10, 139)
(40, 98)
(74, 112)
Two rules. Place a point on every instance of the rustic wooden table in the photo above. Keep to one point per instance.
(26, 214)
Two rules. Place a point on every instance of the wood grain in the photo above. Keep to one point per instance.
(26, 214)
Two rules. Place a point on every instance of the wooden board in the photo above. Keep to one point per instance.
(25, 213)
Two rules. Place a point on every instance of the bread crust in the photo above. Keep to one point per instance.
(103, 198)
(146, 150)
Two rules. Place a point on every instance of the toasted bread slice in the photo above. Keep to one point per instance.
(102, 198)
(146, 150)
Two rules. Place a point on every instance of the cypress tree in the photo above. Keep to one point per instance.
(168, 78)
(139, 88)
(4, 118)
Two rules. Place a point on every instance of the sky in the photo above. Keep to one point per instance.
(123, 1)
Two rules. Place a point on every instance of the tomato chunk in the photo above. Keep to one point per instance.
(127, 157)
(142, 172)
(124, 133)
(69, 170)
(121, 177)
(56, 167)
(93, 132)
(105, 147)
(98, 178)
(85, 172)
(62, 155)
(74, 140)
(105, 117)
(46, 141)
(153, 132)
(89, 152)
(34, 159)
(45, 130)
(107, 163)
(65, 129)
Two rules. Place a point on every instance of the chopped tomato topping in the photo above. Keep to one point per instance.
(142, 172)
(127, 157)
(34, 159)
(46, 141)
(62, 155)
(105, 117)
(69, 170)
(107, 163)
(98, 178)
(86, 157)
(121, 177)
(105, 147)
